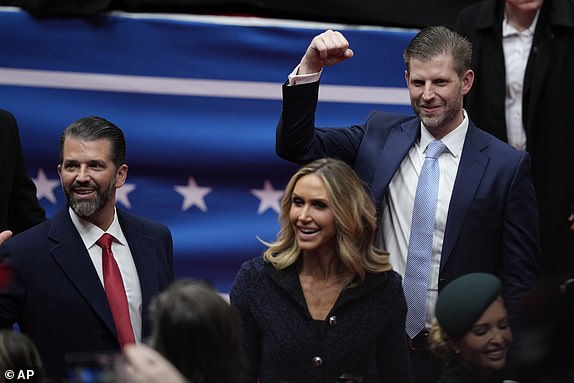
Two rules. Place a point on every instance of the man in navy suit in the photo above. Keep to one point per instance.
(56, 291)
(486, 216)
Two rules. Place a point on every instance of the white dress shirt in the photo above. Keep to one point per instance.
(90, 234)
(516, 47)
(398, 202)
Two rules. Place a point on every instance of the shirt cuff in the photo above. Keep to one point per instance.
(300, 79)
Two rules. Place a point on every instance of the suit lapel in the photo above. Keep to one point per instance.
(71, 255)
(538, 63)
(471, 168)
(392, 154)
(473, 163)
(142, 248)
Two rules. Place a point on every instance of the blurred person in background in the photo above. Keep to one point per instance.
(19, 355)
(523, 55)
(143, 364)
(549, 356)
(195, 338)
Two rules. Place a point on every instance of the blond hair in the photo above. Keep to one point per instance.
(355, 220)
(440, 342)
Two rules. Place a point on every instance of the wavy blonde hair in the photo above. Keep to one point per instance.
(440, 343)
(355, 220)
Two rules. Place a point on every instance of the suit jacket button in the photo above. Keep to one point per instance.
(317, 362)
(333, 321)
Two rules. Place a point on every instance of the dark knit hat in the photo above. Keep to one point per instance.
(462, 302)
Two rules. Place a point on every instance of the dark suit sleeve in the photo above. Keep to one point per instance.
(20, 208)
(297, 138)
(521, 235)
(521, 255)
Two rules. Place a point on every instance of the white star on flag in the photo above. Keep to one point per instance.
(269, 198)
(122, 194)
(193, 195)
(45, 187)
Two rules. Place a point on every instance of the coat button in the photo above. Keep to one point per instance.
(333, 321)
(317, 362)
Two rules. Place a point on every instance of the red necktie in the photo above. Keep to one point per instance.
(115, 292)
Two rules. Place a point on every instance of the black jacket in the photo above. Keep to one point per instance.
(547, 112)
(19, 207)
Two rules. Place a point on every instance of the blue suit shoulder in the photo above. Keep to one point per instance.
(379, 124)
(36, 236)
(28, 238)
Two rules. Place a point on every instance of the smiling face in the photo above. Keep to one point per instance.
(436, 92)
(484, 348)
(312, 217)
(89, 179)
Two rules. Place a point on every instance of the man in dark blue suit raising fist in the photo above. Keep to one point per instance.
(486, 217)
(61, 282)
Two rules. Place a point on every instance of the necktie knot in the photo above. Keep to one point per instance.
(435, 149)
(105, 241)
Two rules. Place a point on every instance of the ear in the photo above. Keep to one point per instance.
(407, 77)
(467, 81)
(121, 175)
(60, 170)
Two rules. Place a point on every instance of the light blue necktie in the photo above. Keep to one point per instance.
(419, 255)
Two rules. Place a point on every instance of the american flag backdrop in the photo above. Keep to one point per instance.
(198, 99)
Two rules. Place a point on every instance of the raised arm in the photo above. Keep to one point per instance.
(297, 140)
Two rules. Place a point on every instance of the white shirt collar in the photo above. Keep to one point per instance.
(509, 30)
(90, 233)
(454, 141)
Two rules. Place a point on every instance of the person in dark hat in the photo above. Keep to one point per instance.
(470, 331)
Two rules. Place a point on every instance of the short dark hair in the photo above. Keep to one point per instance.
(93, 128)
(431, 42)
